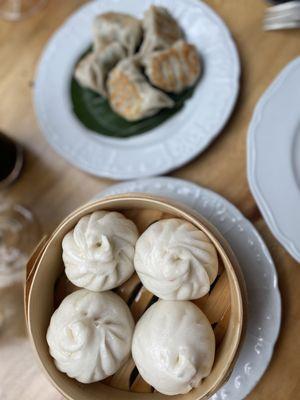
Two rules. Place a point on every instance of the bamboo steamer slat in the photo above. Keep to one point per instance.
(46, 286)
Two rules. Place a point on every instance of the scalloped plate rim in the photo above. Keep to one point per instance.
(252, 173)
(223, 392)
(172, 164)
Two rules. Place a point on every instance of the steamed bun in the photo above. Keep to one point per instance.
(175, 260)
(173, 346)
(98, 253)
(90, 335)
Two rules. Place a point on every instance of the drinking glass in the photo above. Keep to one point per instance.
(15, 10)
(19, 232)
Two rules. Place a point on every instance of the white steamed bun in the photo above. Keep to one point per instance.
(173, 346)
(175, 260)
(90, 335)
(98, 253)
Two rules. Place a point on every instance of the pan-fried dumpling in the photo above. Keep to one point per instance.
(119, 27)
(93, 69)
(130, 95)
(84, 73)
(175, 260)
(160, 30)
(90, 335)
(173, 346)
(175, 68)
(98, 253)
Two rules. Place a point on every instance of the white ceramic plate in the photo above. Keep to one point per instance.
(274, 157)
(173, 143)
(264, 308)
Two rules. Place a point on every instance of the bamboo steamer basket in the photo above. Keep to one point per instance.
(46, 285)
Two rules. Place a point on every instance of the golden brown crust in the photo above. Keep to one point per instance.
(174, 69)
(125, 98)
(131, 95)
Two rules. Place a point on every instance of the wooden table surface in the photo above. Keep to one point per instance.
(52, 188)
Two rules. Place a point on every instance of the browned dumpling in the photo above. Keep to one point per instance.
(93, 69)
(174, 69)
(130, 95)
(160, 30)
(119, 27)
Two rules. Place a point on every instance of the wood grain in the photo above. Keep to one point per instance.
(52, 188)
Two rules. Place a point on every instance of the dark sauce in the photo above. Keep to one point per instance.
(8, 156)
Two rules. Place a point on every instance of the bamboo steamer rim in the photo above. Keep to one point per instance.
(129, 201)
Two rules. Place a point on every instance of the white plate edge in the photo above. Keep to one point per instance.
(262, 203)
(268, 354)
(232, 48)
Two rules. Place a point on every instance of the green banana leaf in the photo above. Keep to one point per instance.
(95, 113)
